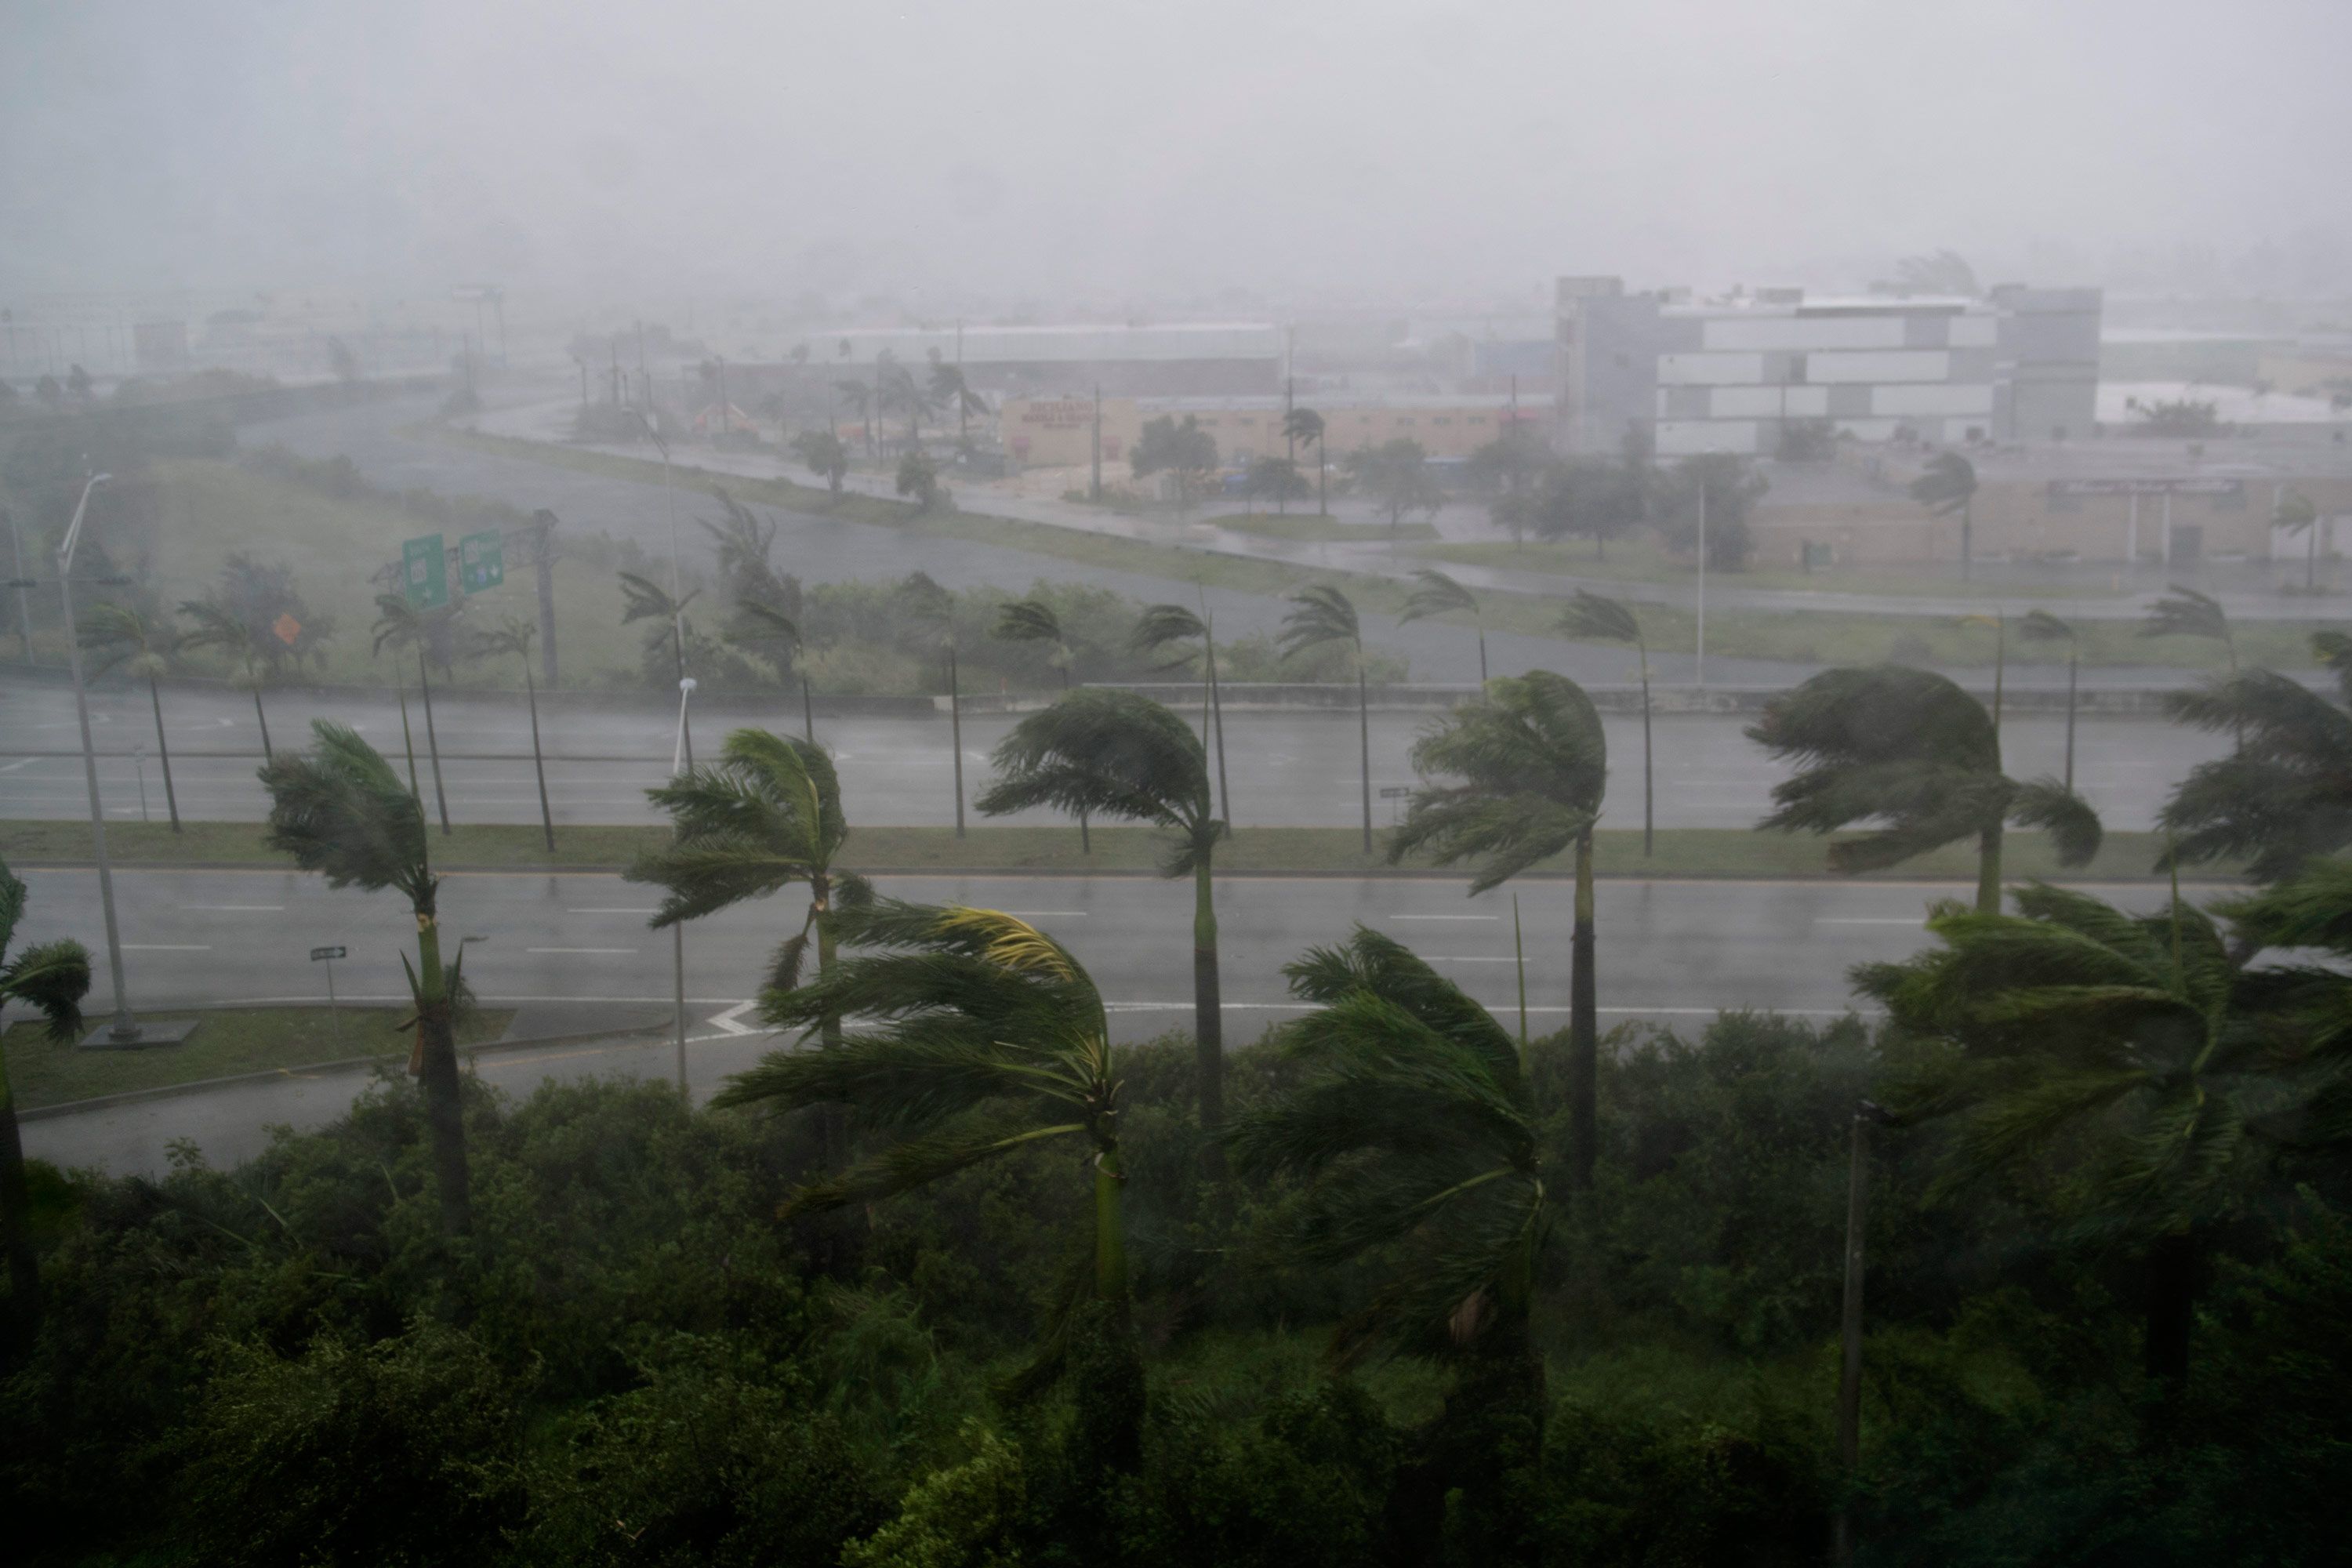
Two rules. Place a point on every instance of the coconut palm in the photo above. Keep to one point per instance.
(2132, 1061)
(514, 637)
(1323, 615)
(2285, 795)
(1033, 620)
(1120, 754)
(2297, 513)
(1305, 425)
(51, 978)
(1591, 615)
(1909, 750)
(1155, 629)
(1948, 485)
(399, 625)
(218, 626)
(118, 634)
(340, 810)
(1534, 764)
(980, 1035)
(2040, 625)
(1436, 594)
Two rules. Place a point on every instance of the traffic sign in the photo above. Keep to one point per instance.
(481, 561)
(288, 628)
(319, 952)
(424, 573)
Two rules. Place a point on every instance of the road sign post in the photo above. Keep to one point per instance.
(481, 561)
(424, 572)
(326, 955)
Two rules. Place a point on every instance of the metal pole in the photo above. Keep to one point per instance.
(1702, 580)
(125, 1027)
(334, 1016)
(678, 762)
(139, 761)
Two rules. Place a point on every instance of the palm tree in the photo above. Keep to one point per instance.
(2040, 625)
(119, 635)
(1436, 594)
(1160, 625)
(218, 626)
(340, 810)
(1033, 620)
(1948, 485)
(2296, 514)
(1534, 765)
(514, 637)
(1591, 615)
(769, 634)
(51, 979)
(1323, 615)
(950, 390)
(400, 624)
(824, 454)
(1305, 425)
(901, 394)
(2285, 795)
(2133, 1057)
(932, 609)
(981, 1035)
(1121, 755)
(1910, 749)
(859, 399)
(2186, 612)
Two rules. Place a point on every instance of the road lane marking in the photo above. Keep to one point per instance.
(612, 951)
(166, 947)
(11, 767)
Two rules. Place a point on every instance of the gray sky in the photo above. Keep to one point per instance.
(1090, 153)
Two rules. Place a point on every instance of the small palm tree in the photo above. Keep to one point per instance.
(514, 637)
(2040, 625)
(1908, 749)
(824, 454)
(1155, 629)
(2285, 795)
(340, 810)
(400, 624)
(2133, 1056)
(1948, 485)
(2295, 513)
(950, 390)
(1436, 594)
(902, 393)
(1121, 755)
(2186, 612)
(767, 633)
(1591, 615)
(51, 979)
(118, 634)
(1323, 615)
(1033, 620)
(1305, 425)
(1534, 765)
(218, 626)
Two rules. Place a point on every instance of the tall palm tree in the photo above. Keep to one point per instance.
(2040, 625)
(1323, 615)
(119, 635)
(1120, 754)
(771, 635)
(1948, 485)
(1033, 620)
(1305, 425)
(901, 394)
(2133, 1058)
(218, 626)
(400, 624)
(1534, 765)
(340, 810)
(51, 978)
(950, 390)
(932, 609)
(981, 1036)
(1156, 629)
(1909, 750)
(514, 637)
(1591, 615)
(2186, 612)
(1436, 594)
(2284, 796)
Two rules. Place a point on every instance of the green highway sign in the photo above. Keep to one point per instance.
(482, 561)
(424, 572)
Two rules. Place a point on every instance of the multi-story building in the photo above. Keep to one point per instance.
(1733, 375)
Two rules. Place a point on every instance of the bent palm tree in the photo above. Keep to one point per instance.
(1160, 625)
(340, 810)
(1323, 614)
(2186, 612)
(1436, 594)
(1948, 485)
(218, 626)
(2297, 513)
(1534, 765)
(400, 625)
(119, 634)
(1120, 754)
(51, 979)
(2040, 625)
(2285, 795)
(1305, 425)
(769, 634)
(1591, 615)
(1909, 750)
(514, 637)
(1033, 620)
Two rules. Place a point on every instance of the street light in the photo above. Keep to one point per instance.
(681, 757)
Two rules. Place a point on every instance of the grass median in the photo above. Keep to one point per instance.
(228, 1041)
(1306, 852)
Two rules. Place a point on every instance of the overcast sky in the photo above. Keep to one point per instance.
(1094, 152)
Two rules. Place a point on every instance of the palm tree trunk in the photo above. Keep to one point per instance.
(1483, 677)
(2172, 1270)
(1086, 833)
(435, 1066)
(1988, 871)
(1649, 796)
(2074, 663)
(164, 753)
(1110, 1232)
(1583, 1030)
(16, 1217)
(1208, 1011)
(2311, 562)
(955, 734)
(808, 710)
(1968, 537)
(1364, 740)
(258, 716)
(538, 765)
(408, 742)
(1217, 715)
(431, 743)
(1322, 482)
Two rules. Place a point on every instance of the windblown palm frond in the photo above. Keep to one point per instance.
(1110, 753)
(51, 978)
(2040, 625)
(1535, 765)
(2186, 612)
(119, 636)
(1591, 615)
(1160, 625)
(1946, 485)
(1028, 620)
(1318, 615)
(216, 627)
(340, 810)
(642, 598)
(2284, 796)
(1436, 594)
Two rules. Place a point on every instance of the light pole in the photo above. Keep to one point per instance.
(681, 757)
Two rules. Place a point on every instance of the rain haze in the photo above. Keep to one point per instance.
(1206, 784)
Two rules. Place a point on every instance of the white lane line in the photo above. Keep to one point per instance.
(611, 909)
(1870, 919)
(1445, 917)
(612, 951)
(238, 909)
(11, 767)
(166, 947)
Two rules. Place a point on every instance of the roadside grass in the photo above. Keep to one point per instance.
(228, 1041)
(1309, 529)
(1645, 559)
(1697, 852)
